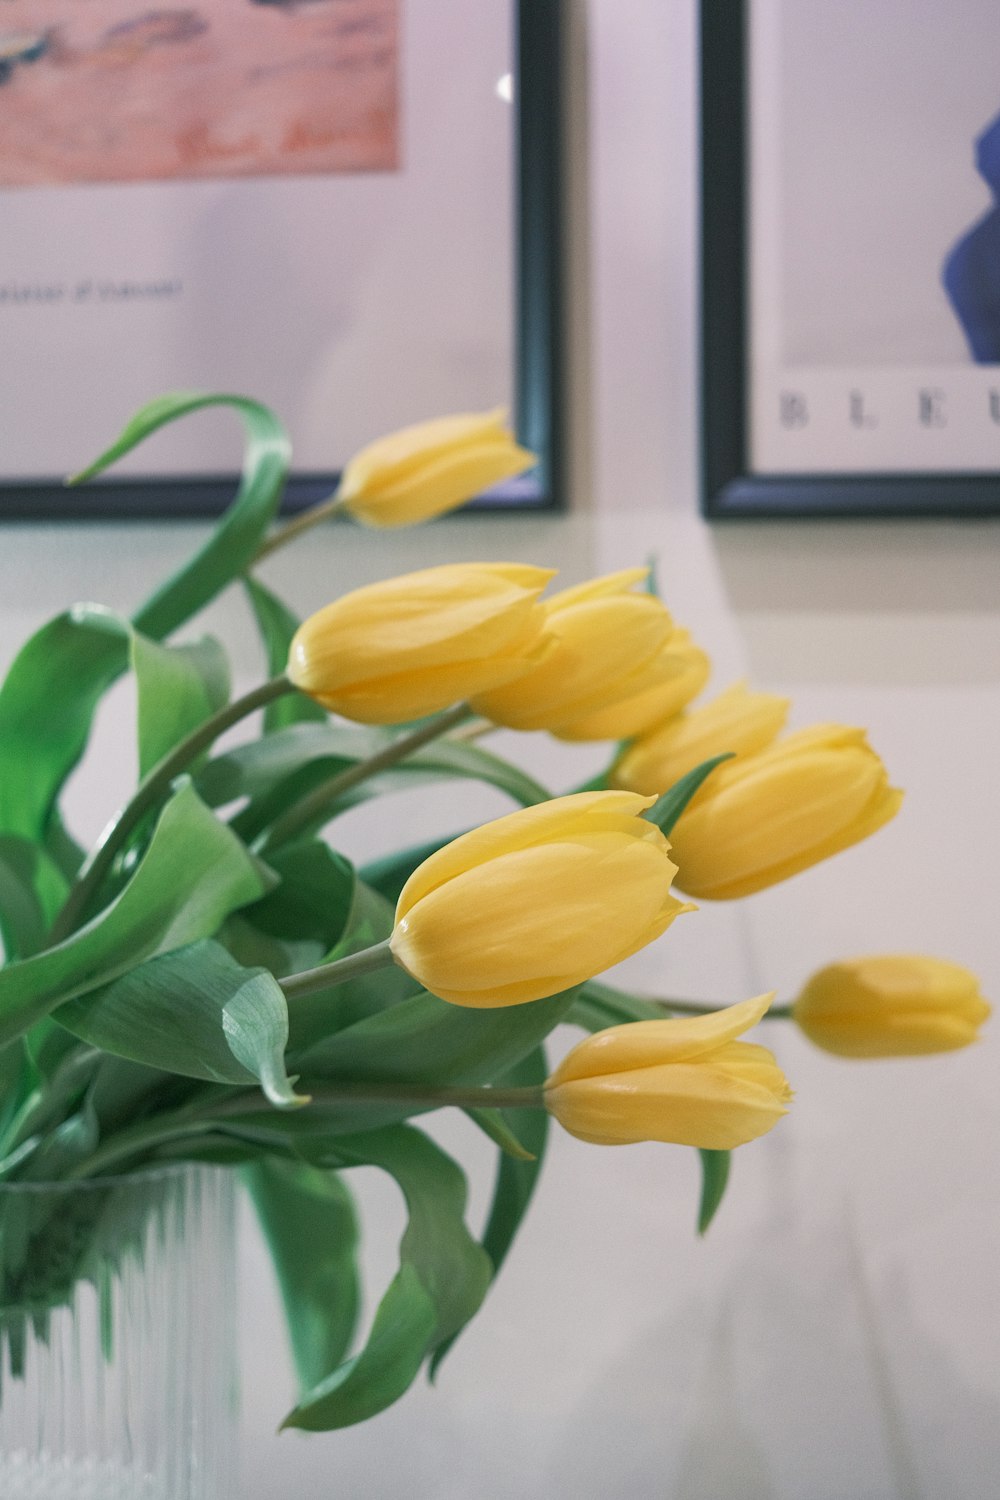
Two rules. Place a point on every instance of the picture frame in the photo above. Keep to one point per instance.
(837, 378)
(502, 221)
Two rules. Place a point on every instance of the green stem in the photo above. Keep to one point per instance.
(311, 981)
(315, 803)
(309, 518)
(194, 1120)
(692, 1008)
(150, 792)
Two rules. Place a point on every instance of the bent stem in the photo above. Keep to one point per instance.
(315, 803)
(291, 529)
(150, 792)
(198, 1119)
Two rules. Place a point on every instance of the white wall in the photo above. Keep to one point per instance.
(835, 1335)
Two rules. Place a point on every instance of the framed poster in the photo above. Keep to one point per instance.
(850, 257)
(348, 209)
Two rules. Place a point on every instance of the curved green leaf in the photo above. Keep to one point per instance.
(516, 1179)
(179, 687)
(31, 892)
(311, 1228)
(442, 1280)
(234, 541)
(192, 875)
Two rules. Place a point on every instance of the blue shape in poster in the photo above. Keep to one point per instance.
(971, 272)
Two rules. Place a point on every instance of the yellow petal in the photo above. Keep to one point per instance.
(641, 1044)
(560, 817)
(737, 721)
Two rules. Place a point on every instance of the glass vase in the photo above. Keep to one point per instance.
(118, 1337)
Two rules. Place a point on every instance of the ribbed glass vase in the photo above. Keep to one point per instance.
(118, 1337)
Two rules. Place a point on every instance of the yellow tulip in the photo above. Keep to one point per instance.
(687, 1081)
(536, 902)
(404, 648)
(688, 668)
(607, 644)
(737, 720)
(891, 1005)
(424, 470)
(768, 816)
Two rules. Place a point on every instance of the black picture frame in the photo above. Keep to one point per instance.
(539, 411)
(730, 487)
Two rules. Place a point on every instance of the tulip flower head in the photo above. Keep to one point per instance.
(429, 468)
(891, 1005)
(686, 1081)
(536, 902)
(766, 817)
(397, 650)
(607, 644)
(737, 721)
(686, 668)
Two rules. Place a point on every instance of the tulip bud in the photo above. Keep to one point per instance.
(737, 721)
(397, 650)
(607, 645)
(424, 470)
(686, 1081)
(536, 902)
(891, 1005)
(765, 817)
(688, 668)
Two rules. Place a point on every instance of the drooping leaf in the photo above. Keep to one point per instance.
(179, 687)
(194, 1011)
(235, 539)
(668, 808)
(192, 875)
(441, 1282)
(277, 625)
(714, 1177)
(516, 1179)
(310, 1225)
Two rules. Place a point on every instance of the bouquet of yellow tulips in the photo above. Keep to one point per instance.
(215, 982)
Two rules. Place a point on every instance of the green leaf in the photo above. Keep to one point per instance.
(196, 1012)
(442, 1280)
(423, 1040)
(31, 892)
(668, 808)
(192, 875)
(310, 1225)
(234, 541)
(276, 771)
(46, 705)
(714, 1177)
(315, 1017)
(598, 1006)
(277, 625)
(389, 874)
(516, 1178)
(179, 687)
(494, 1125)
